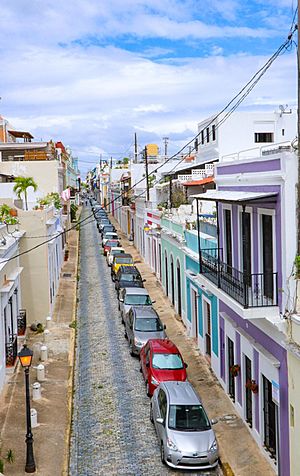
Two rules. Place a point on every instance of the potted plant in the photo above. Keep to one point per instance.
(235, 370)
(252, 385)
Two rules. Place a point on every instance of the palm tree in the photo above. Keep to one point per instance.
(21, 186)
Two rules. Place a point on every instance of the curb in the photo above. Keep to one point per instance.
(226, 468)
(71, 358)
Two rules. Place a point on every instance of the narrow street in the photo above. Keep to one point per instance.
(111, 433)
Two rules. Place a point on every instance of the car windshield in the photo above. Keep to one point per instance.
(124, 260)
(188, 418)
(148, 325)
(111, 243)
(136, 299)
(129, 277)
(117, 252)
(167, 361)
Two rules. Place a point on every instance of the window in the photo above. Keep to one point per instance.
(263, 137)
(148, 325)
(162, 402)
(282, 132)
(138, 299)
(202, 137)
(213, 132)
(207, 134)
(167, 361)
(188, 418)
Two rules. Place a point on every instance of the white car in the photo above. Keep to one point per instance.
(109, 235)
(113, 251)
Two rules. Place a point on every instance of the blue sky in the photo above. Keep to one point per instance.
(93, 72)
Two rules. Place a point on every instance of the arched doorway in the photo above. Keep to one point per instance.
(172, 281)
(178, 288)
(166, 274)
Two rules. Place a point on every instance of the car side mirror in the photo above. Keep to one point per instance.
(153, 302)
(121, 299)
(185, 365)
(147, 365)
(144, 280)
(160, 421)
(165, 326)
(214, 421)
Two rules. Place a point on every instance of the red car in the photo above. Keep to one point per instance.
(161, 360)
(110, 244)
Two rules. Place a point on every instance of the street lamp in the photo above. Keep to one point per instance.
(25, 356)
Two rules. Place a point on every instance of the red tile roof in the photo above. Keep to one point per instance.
(199, 182)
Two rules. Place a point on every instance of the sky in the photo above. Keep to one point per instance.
(91, 73)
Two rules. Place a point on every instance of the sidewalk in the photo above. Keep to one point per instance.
(240, 455)
(54, 408)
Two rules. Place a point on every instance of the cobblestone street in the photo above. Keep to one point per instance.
(112, 433)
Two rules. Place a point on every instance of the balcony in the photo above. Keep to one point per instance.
(11, 351)
(249, 290)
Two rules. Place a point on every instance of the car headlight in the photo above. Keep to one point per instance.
(214, 446)
(171, 445)
(154, 381)
(138, 343)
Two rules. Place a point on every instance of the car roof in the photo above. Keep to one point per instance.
(181, 393)
(135, 291)
(118, 248)
(163, 346)
(144, 311)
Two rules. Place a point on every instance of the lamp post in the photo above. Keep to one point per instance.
(25, 356)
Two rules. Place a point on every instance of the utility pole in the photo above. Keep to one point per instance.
(111, 162)
(165, 139)
(135, 149)
(298, 185)
(170, 189)
(147, 174)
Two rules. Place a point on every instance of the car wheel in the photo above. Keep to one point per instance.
(125, 335)
(148, 389)
(122, 319)
(151, 414)
(141, 366)
(162, 453)
(131, 350)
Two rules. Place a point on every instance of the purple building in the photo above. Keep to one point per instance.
(249, 274)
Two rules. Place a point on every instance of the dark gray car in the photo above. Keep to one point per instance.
(141, 324)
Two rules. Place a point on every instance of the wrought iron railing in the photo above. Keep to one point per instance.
(22, 322)
(11, 351)
(249, 289)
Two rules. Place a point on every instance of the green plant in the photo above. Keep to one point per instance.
(74, 209)
(10, 457)
(178, 198)
(11, 220)
(1, 466)
(55, 199)
(73, 325)
(297, 266)
(4, 211)
(21, 186)
(40, 328)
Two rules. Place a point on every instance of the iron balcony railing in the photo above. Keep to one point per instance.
(250, 290)
(22, 322)
(11, 351)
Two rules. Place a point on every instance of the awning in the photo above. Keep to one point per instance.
(21, 134)
(203, 181)
(236, 197)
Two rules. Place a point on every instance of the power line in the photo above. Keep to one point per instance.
(254, 79)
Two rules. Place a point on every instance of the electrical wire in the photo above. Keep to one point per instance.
(250, 85)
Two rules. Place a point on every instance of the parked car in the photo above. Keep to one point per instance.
(110, 244)
(124, 260)
(184, 431)
(128, 277)
(160, 361)
(141, 324)
(105, 228)
(112, 252)
(133, 297)
(109, 235)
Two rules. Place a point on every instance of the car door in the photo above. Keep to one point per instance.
(147, 365)
(126, 321)
(144, 355)
(121, 301)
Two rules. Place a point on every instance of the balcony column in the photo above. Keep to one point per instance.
(199, 242)
(244, 256)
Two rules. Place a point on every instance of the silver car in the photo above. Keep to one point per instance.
(133, 297)
(141, 324)
(187, 440)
